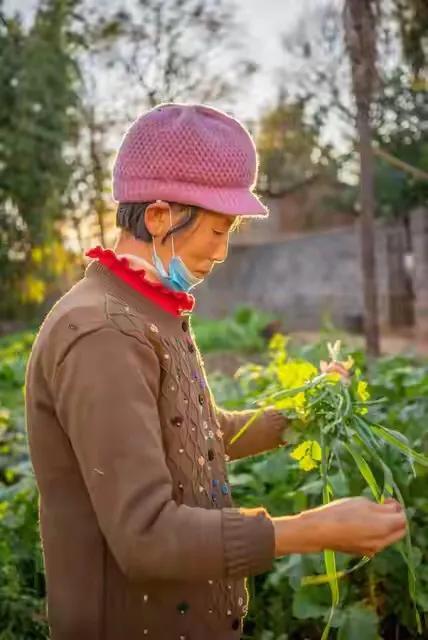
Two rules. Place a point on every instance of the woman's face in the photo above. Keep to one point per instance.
(200, 246)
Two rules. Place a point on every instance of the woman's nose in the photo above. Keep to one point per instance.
(221, 251)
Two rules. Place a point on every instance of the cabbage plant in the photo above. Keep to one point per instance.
(329, 408)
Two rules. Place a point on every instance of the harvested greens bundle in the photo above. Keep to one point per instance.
(330, 408)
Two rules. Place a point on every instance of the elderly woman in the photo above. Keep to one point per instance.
(141, 537)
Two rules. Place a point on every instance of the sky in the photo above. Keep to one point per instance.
(264, 29)
(264, 21)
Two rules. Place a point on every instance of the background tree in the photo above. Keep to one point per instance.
(360, 31)
(154, 51)
(319, 73)
(289, 148)
(412, 17)
(38, 105)
(70, 86)
(183, 50)
(400, 124)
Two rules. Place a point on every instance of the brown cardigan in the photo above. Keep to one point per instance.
(140, 534)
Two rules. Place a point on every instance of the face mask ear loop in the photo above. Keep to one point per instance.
(172, 238)
(172, 235)
(154, 247)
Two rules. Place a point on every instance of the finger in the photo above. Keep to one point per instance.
(338, 368)
(389, 506)
(384, 541)
(393, 525)
(395, 520)
(393, 503)
(394, 537)
(383, 526)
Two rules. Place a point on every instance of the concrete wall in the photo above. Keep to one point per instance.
(303, 278)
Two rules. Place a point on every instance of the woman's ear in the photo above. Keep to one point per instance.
(157, 217)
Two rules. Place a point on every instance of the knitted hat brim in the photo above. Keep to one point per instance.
(230, 201)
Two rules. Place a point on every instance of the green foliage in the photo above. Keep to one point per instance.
(286, 144)
(412, 17)
(375, 602)
(375, 598)
(22, 586)
(38, 107)
(400, 114)
(241, 331)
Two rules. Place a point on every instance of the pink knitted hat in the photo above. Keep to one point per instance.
(192, 154)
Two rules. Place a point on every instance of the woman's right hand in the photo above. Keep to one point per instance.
(351, 525)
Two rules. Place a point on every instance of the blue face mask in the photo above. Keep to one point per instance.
(178, 276)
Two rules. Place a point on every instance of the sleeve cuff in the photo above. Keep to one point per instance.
(249, 541)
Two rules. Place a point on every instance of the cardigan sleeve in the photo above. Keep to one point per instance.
(264, 434)
(106, 391)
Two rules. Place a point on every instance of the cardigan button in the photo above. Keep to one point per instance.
(184, 325)
(235, 624)
(177, 421)
(182, 607)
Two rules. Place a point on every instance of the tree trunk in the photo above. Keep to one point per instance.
(97, 172)
(96, 165)
(367, 231)
(360, 34)
(400, 291)
(419, 226)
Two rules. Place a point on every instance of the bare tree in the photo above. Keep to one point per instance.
(179, 50)
(187, 49)
(88, 203)
(154, 51)
(360, 33)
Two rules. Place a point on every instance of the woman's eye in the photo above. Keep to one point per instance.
(218, 233)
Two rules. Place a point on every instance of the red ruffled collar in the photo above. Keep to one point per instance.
(174, 302)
